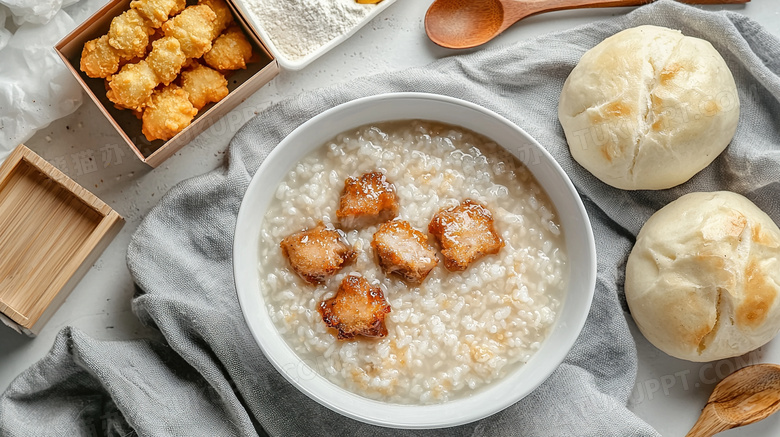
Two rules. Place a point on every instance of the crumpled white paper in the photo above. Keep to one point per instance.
(35, 86)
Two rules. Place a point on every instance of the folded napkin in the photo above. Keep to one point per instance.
(211, 379)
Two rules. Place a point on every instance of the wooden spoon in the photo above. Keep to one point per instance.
(746, 396)
(461, 24)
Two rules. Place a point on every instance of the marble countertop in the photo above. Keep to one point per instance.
(669, 393)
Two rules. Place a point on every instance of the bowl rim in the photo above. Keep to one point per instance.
(463, 410)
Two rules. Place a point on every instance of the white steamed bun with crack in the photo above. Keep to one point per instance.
(648, 108)
(703, 279)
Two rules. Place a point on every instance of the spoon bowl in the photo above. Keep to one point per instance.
(462, 24)
(468, 23)
(746, 396)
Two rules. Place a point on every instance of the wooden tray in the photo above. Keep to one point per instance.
(51, 232)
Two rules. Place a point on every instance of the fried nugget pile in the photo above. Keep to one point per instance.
(153, 57)
(465, 233)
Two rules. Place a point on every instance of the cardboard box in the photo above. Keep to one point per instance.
(51, 232)
(241, 83)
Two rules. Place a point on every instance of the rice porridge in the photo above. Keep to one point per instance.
(454, 333)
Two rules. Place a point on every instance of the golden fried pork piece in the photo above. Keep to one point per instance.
(99, 59)
(132, 86)
(356, 309)
(204, 85)
(166, 59)
(404, 251)
(223, 12)
(157, 12)
(193, 28)
(231, 51)
(465, 233)
(129, 34)
(367, 200)
(167, 113)
(318, 253)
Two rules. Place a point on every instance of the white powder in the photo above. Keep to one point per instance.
(299, 27)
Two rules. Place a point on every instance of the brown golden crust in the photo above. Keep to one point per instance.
(166, 59)
(318, 253)
(465, 233)
(193, 27)
(132, 87)
(224, 16)
(367, 200)
(231, 51)
(157, 12)
(99, 59)
(204, 85)
(167, 113)
(129, 34)
(404, 251)
(356, 309)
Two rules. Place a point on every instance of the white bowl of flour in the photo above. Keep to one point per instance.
(297, 32)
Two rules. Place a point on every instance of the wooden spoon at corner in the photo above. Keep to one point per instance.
(461, 24)
(746, 396)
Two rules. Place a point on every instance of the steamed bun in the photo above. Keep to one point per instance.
(648, 108)
(703, 278)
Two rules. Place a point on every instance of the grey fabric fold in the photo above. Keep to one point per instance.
(210, 378)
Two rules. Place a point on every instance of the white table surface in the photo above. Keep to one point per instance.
(669, 393)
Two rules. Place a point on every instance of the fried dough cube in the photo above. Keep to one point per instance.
(367, 200)
(157, 12)
(166, 59)
(465, 233)
(318, 253)
(204, 85)
(132, 86)
(356, 309)
(223, 12)
(99, 59)
(404, 251)
(231, 51)
(129, 34)
(167, 113)
(193, 28)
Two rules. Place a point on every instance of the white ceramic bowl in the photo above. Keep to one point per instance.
(484, 402)
(297, 64)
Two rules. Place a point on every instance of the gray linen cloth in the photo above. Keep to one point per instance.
(211, 379)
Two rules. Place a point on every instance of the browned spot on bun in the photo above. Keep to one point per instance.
(618, 109)
(669, 72)
(759, 236)
(605, 152)
(759, 296)
(736, 225)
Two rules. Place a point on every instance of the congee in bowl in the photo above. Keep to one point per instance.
(413, 260)
(454, 332)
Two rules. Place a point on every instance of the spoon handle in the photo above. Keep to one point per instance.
(709, 423)
(518, 9)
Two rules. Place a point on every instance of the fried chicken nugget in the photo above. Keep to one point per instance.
(99, 59)
(318, 253)
(404, 251)
(204, 85)
(230, 51)
(129, 34)
(465, 233)
(167, 113)
(367, 200)
(157, 12)
(132, 86)
(356, 309)
(224, 15)
(166, 59)
(193, 28)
